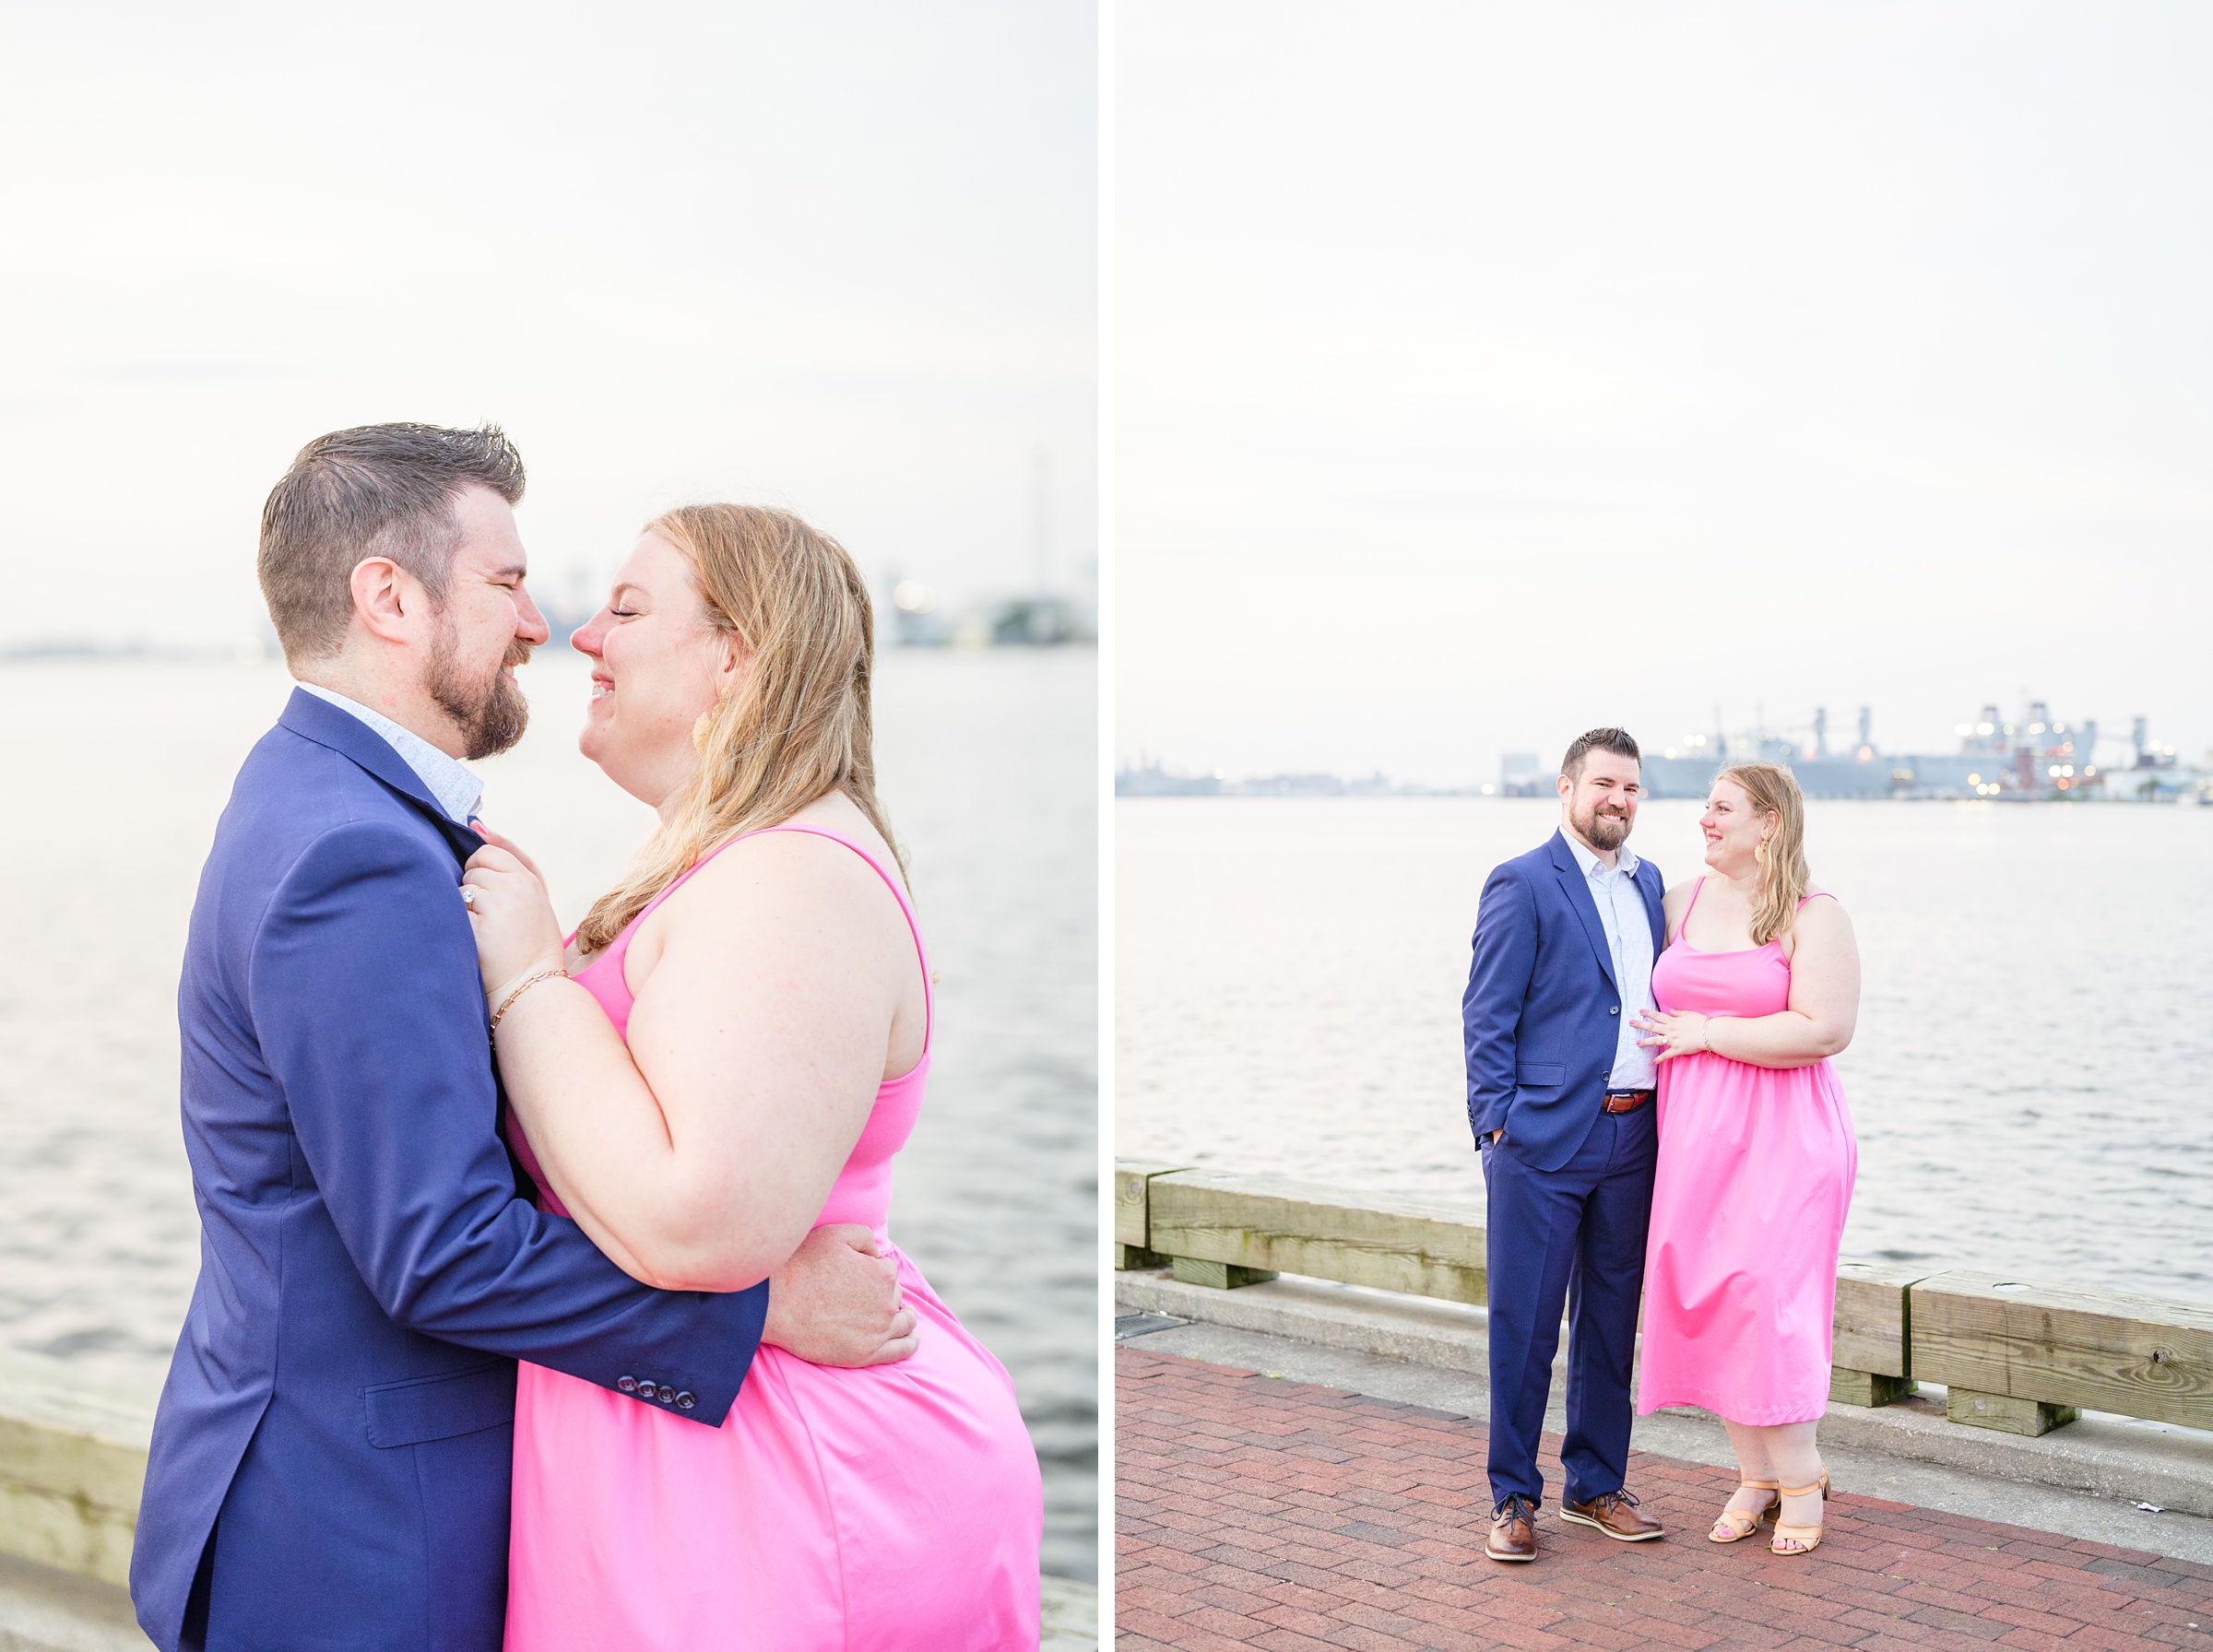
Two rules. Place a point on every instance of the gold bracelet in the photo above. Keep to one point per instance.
(508, 1003)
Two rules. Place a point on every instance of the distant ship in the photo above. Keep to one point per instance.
(1147, 779)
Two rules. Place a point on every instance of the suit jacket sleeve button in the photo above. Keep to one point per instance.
(629, 1385)
(686, 1400)
(668, 1394)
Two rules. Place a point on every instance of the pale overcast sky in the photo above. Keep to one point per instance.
(836, 256)
(1488, 372)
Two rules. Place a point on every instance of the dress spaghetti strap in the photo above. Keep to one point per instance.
(1682, 923)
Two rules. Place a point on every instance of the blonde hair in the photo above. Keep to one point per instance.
(1784, 877)
(798, 728)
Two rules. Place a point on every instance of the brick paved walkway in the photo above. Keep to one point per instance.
(1262, 1516)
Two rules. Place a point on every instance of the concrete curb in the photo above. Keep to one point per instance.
(2107, 1457)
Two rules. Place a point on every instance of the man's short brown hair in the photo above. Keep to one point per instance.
(1615, 740)
(378, 491)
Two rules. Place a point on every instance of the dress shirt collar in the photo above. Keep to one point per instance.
(1625, 857)
(458, 790)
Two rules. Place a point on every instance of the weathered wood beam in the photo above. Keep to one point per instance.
(2031, 1417)
(1131, 1176)
(1873, 1318)
(1847, 1387)
(1992, 1337)
(1424, 1247)
(2048, 1350)
(1217, 1276)
(71, 1462)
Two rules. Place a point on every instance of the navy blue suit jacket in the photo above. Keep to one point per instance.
(343, 1392)
(1542, 1010)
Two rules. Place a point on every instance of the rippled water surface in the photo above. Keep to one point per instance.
(116, 774)
(2030, 1079)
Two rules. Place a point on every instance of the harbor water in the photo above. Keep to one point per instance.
(2029, 1079)
(117, 773)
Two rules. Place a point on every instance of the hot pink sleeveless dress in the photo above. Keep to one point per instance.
(1754, 1177)
(891, 1509)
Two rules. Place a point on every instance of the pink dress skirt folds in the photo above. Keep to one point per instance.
(891, 1509)
(1754, 1177)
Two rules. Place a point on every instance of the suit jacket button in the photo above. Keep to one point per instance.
(668, 1394)
(1616, 1011)
(629, 1385)
(686, 1400)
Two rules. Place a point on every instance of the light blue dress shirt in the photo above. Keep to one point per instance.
(1628, 927)
(457, 791)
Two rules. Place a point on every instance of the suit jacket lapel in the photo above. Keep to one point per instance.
(1655, 902)
(326, 724)
(1577, 887)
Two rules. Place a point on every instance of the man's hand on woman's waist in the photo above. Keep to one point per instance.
(837, 1302)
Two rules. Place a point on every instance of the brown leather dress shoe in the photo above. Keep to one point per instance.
(1513, 1529)
(1614, 1513)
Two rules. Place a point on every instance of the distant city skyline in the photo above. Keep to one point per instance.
(1488, 373)
(2115, 737)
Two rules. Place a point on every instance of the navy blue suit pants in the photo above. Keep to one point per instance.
(1575, 1236)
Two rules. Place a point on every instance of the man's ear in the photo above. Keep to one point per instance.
(387, 599)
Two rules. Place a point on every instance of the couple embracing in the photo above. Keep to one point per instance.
(1649, 1081)
(546, 1299)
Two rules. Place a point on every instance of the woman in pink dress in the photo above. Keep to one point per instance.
(1758, 986)
(736, 1055)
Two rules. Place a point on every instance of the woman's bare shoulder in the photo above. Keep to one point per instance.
(1825, 917)
(775, 865)
(770, 880)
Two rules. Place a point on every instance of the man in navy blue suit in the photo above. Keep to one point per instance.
(1560, 1099)
(330, 1460)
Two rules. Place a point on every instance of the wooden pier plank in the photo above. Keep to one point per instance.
(2049, 1347)
(1873, 1316)
(1131, 1176)
(1217, 1276)
(1425, 1247)
(2006, 1414)
(1847, 1387)
(2102, 1350)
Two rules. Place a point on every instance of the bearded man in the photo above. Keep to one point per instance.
(331, 1458)
(1560, 1099)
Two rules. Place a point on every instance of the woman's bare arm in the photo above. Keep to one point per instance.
(698, 1156)
(1817, 1022)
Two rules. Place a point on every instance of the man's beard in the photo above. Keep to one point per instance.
(493, 715)
(1603, 832)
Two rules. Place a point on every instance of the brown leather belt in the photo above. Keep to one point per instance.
(1625, 1100)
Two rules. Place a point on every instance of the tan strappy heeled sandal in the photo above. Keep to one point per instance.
(1738, 1524)
(1807, 1538)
